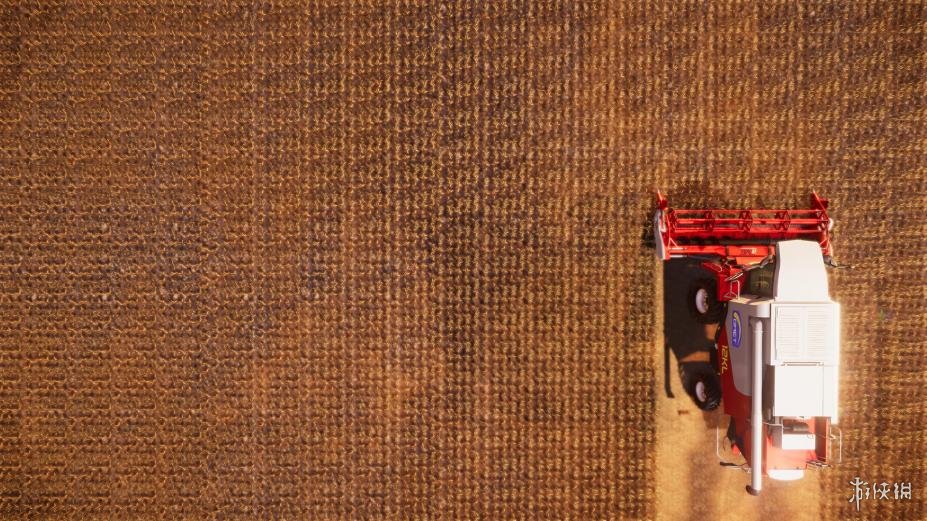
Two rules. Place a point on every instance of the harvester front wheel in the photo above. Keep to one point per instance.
(703, 301)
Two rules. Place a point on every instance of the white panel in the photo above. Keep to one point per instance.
(819, 332)
(785, 474)
(798, 442)
(805, 333)
(788, 333)
(798, 390)
(800, 272)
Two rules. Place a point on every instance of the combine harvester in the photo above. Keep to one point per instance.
(778, 341)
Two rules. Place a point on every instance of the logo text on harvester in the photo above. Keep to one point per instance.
(736, 329)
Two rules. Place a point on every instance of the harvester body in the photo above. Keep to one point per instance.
(778, 340)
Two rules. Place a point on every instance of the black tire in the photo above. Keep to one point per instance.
(702, 384)
(703, 301)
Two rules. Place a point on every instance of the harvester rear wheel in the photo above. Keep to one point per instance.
(701, 383)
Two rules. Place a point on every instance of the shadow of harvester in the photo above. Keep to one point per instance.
(691, 342)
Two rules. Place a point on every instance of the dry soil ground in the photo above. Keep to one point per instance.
(346, 259)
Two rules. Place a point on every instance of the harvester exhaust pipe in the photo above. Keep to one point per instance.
(756, 413)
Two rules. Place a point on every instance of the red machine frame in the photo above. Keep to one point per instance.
(737, 238)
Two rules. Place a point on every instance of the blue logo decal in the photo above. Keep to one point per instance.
(735, 329)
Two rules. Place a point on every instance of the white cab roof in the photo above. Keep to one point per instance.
(800, 272)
